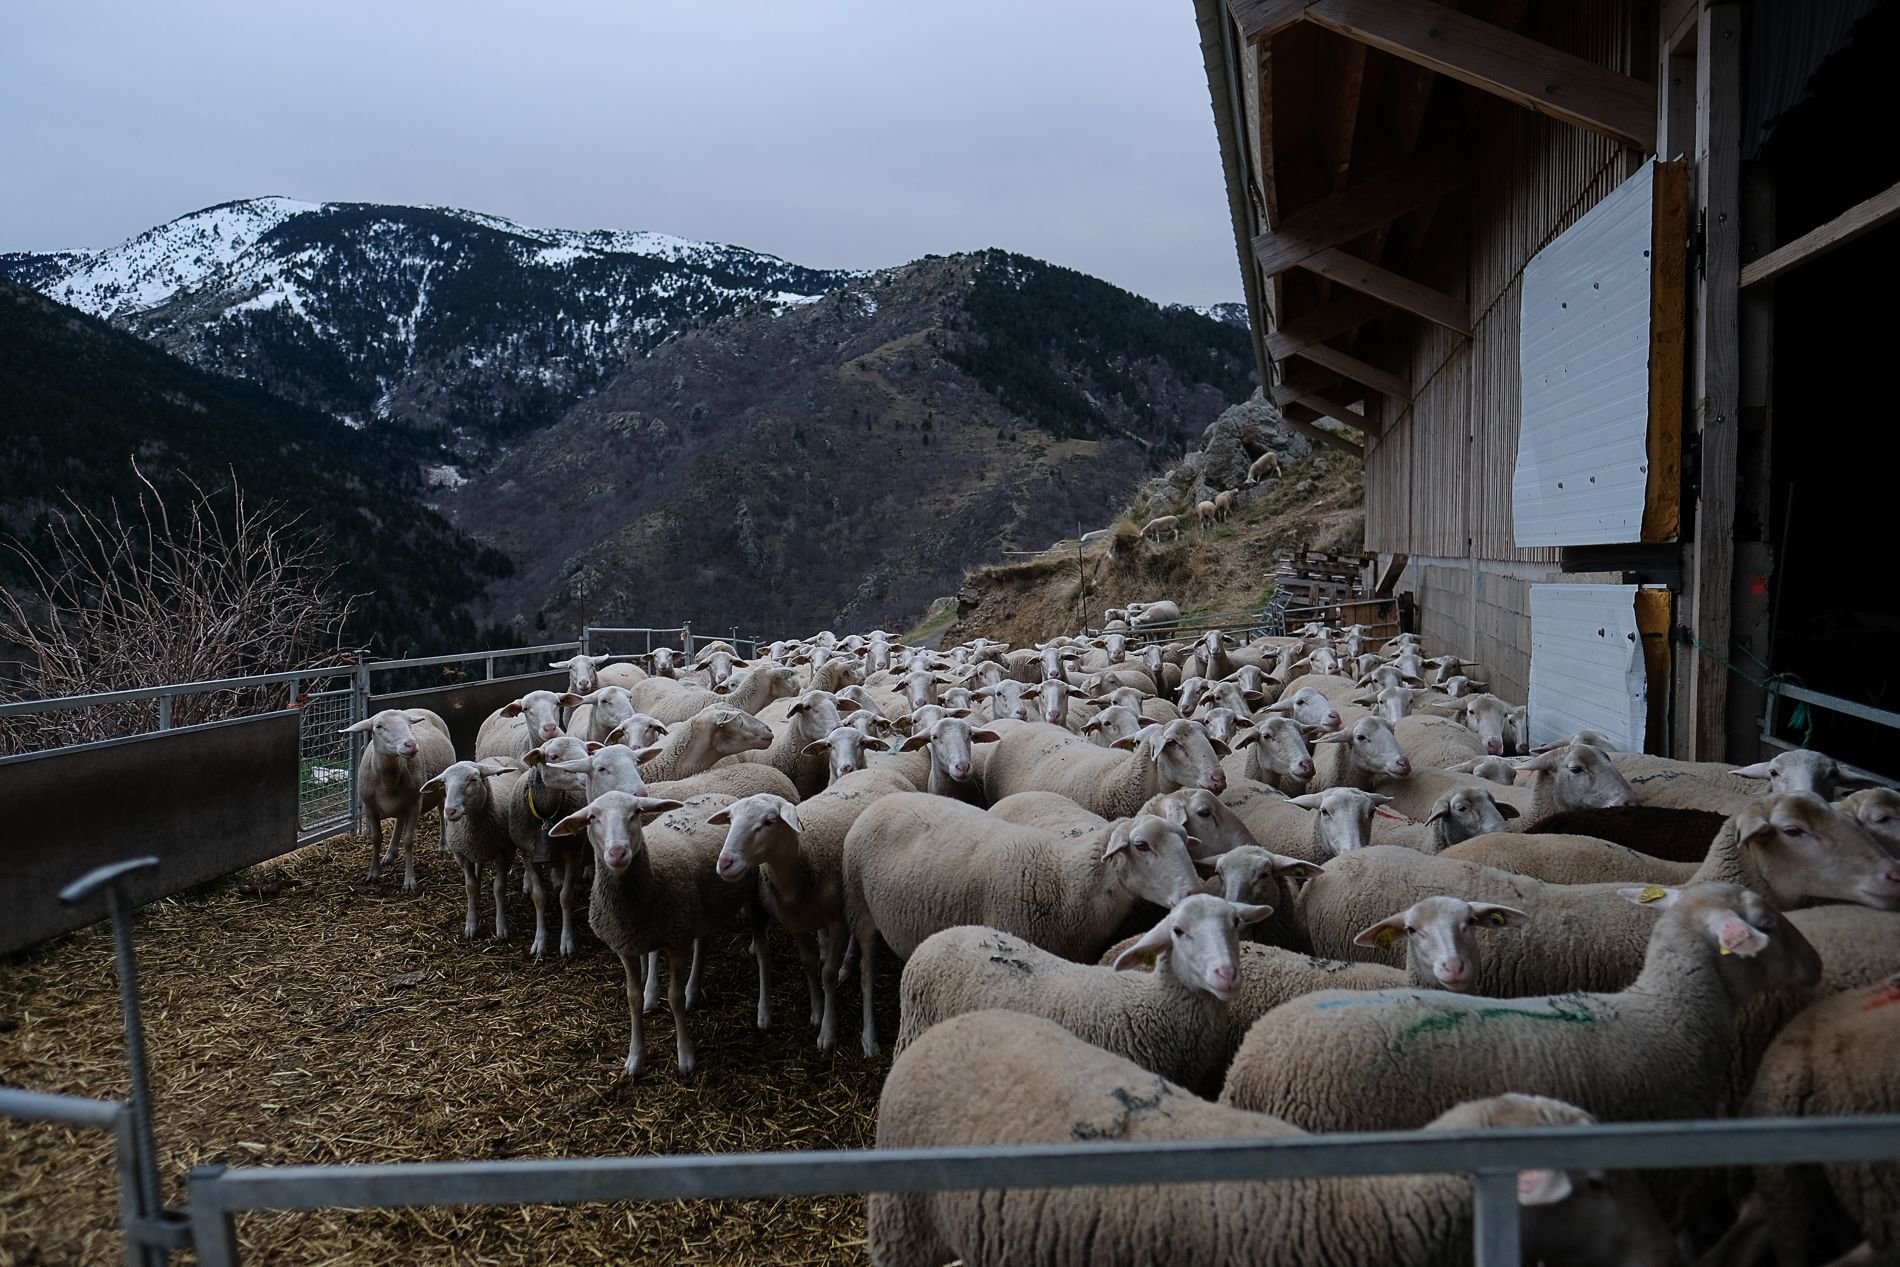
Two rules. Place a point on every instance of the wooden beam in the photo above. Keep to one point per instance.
(1348, 312)
(1326, 436)
(1294, 386)
(1391, 385)
(1389, 287)
(1332, 409)
(1262, 19)
(1717, 374)
(1501, 62)
(1857, 220)
(1362, 208)
(1668, 339)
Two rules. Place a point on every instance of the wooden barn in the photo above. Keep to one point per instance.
(1586, 282)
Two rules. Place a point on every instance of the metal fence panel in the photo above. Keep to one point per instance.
(207, 800)
(323, 763)
(465, 705)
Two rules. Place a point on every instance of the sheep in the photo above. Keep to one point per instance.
(809, 719)
(661, 894)
(1577, 777)
(638, 731)
(1052, 701)
(1253, 876)
(1834, 1059)
(954, 769)
(1112, 783)
(747, 690)
(1567, 859)
(552, 788)
(1316, 826)
(715, 660)
(702, 740)
(1205, 514)
(726, 780)
(1266, 464)
(1306, 706)
(799, 853)
(599, 713)
(1212, 828)
(1161, 612)
(837, 673)
(1391, 703)
(406, 749)
(521, 724)
(843, 750)
(1276, 756)
(1794, 850)
(1224, 724)
(1008, 700)
(1858, 946)
(1113, 724)
(1402, 1056)
(475, 828)
(1458, 815)
(915, 863)
(1167, 1020)
(1878, 810)
(996, 1077)
(583, 672)
(1224, 504)
(1153, 530)
(1517, 730)
(1435, 743)
(1210, 652)
(1496, 770)
(1802, 770)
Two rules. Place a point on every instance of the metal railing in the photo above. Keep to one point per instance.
(681, 638)
(1776, 690)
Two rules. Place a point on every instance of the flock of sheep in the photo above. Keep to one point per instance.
(1209, 513)
(1192, 890)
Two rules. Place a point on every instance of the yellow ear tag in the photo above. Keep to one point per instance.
(1386, 937)
(1725, 950)
(1499, 918)
(1652, 893)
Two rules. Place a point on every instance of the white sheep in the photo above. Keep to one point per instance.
(1387, 1060)
(583, 672)
(1154, 529)
(999, 1078)
(747, 690)
(1167, 1020)
(599, 713)
(1205, 514)
(810, 718)
(406, 749)
(475, 828)
(662, 894)
(1161, 612)
(844, 748)
(915, 863)
(1212, 828)
(1111, 782)
(1111, 725)
(1558, 858)
(552, 788)
(1224, 504)
(703, 740)
(1272, 751)
(521, 724)
(1267, 464)
(954, 770)
(799, 852)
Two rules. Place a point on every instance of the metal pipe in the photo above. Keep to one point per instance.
(1835, 704)
(60, 703)
(145, 1144)
(73, 1110)
(1496, 1231)
(164, 712)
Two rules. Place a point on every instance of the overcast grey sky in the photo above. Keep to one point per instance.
(837, 133)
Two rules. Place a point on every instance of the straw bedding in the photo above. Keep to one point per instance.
(298, 1014)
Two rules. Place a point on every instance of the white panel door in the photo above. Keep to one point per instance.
(1587, 664)
(1583, 354)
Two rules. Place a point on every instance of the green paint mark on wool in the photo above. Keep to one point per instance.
(1563, 1010)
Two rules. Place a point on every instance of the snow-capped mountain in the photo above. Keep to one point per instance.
(442, 319)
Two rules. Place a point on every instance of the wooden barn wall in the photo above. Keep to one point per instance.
(1438, 481)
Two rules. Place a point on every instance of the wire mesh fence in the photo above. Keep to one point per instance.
(323, 760)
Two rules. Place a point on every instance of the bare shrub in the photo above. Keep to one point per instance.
(211, 587)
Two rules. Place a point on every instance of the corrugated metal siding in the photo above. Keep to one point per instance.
(1534, 178)
(1583, 356)
(1587, 664)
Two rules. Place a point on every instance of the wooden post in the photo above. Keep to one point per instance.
(1717, 372)
(1753, 633)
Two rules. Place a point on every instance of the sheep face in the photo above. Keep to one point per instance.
(663, 662)
(1807, 851)
(1469, 812)
(1008, 700)
(1202, 937)
(638, 731)
(612, 706)
(752, 824)
(1279, 748)
(1344, 821)
(1878, 809)
(843, 750)
(612, 824)
(1756, 949)
(1222, 724)
(1185, 757)
(949, 741)
(734, 731)
(1582, 777)
(1149, 855)
(464, 786)
(1442, 933)
(1373, 747)
(558, 760)
(391, 732)
(1801, 771)
(1112, 725)
(1308, 708)
(1487, 717)
(542, 712)
(609, 768)
(583, 672)
(1052, 701)
(1211, 827)
(1252, 874)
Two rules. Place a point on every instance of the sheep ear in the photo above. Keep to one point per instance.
(1117, 840)
(432, 786)
(491, 766)
(1130, 742)
(984, 735)
(876, 744)
(1506, 810)
(1542, 1187)
(788, 814)
(593, 746)
(1490, 915)
(723, 688)
(1659, 896)
(570, 700)
(1242, 738)
(1252, 914)
(560, 664)
(817, 747)
(361, 727)
(1760, 770)
(1734, 935)
(511, 709)
(915, 742)
(533, 756)
(1205, 868)
(1544, 761)
(1309, 801)
(1338, 736)
(1297, 868)
(1440, 808)
(1382, 934)
(719, 818)
(1151, 943)
(646, 754)
(656, 805)
(574, 824)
